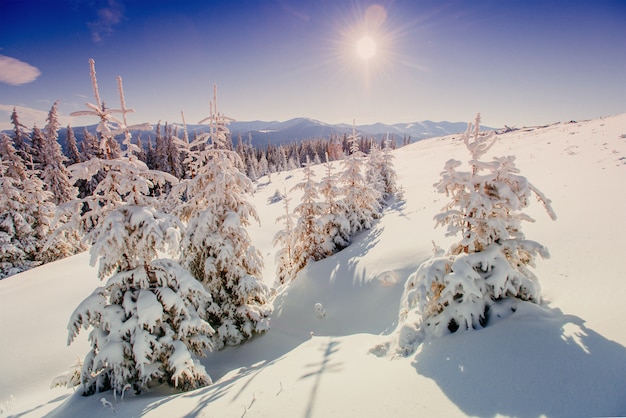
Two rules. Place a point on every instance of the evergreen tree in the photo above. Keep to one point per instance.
(173, 153)
(380, 172)
(17, 241)
(456, 290)
(388, 171)
(361, 200)
(141, 154)
(373, 171)
(307, 231)
(54, 173)
(146, 327)
(20, 136)
(37, 150)
(284, 240)
(216, 248)
(26, 214)
(160, 150)
(145, 321)
(334, 223)
(90, 146)
(73, 155)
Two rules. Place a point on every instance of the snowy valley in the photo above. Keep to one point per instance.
(563, 357)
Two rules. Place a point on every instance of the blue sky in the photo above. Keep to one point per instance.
(517, 62)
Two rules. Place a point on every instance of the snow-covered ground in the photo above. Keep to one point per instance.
(564, 358)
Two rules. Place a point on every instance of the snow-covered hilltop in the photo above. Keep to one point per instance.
(563, 357)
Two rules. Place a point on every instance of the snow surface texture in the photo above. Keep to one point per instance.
(566, 357)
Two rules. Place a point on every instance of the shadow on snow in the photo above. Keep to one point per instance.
(538, 362)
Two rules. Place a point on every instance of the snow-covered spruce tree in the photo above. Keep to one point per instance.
(145, 323)
(456, 290)
(36, 155)
(307, 238)
(284, 240)
(73, 154)
(361, 200)
(146, 326)
(54, 173)
(335, 227)
(26, 213)
(17, 243)
(388, 171)
(112, 181)
(216, 247)
(20, 136)
(373, 170)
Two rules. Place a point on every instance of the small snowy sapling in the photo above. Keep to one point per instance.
(455, 291)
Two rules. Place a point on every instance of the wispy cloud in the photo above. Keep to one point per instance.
(16, 72)
(108, 17)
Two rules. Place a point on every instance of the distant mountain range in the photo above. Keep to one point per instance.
(305, 128)
(262, 133)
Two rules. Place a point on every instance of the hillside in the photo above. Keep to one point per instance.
(566, 357)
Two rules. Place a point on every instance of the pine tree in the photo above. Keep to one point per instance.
(456, 290)
(20, 136)
(54, 173)
(145, 321)
(216, 248)
(284, 240)
(26, 213)
(307, 233)
(380, 172)
(73, 155)
(388, 171)
(334, 223)
(35, 159)
(373, 171)
(160, 162)
(173, 153)
(16, 235)
(361, 200)
(146, 327)
(141, 153)
(90, 146)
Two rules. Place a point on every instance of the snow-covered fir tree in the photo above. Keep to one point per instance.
(173, 152)
(335, 227)
(307, 232)
(73, 154)
(90, 146)
(160, 151)
(284, 240)
(35, 159)
(146, 326)
(491, 263)
(17, 243)
(373, 171)
(216, 247)
(26, 213)
(145, 323)
(54, 173)
(361, 200)
(20, 136)
(388, 172)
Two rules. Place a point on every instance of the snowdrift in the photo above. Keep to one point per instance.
(566, 357)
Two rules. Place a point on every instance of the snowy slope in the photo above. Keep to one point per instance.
(565, 358)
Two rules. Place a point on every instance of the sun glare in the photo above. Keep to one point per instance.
(366, 48)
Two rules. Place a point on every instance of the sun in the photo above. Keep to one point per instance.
(366, 48)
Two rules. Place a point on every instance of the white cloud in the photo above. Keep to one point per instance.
(16, 72)
(108, 17)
